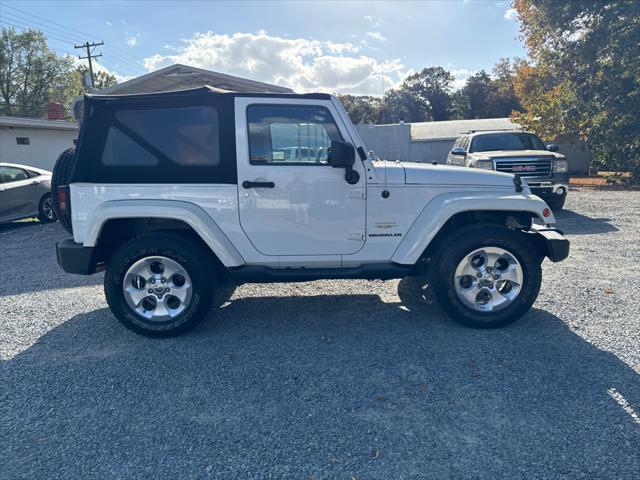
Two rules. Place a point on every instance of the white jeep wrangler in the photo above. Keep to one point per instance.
(179, 194)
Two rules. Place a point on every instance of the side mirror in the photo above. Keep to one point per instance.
(552, 147)
(459, 151)
(343, 155)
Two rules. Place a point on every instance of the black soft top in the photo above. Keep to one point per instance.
(141, 138)
(205, 93)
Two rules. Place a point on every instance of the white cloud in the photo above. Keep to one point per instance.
(511, 14)
(109, 23)
(132, 40)
(302, 64)
(376, 35)
(461, 75)
(375, 22)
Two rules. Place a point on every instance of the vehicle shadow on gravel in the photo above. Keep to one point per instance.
(19, 225)
(328, 386)
(573, 223)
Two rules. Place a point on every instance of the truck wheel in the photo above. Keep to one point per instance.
(486, 276)
(557, 202)
(160, 284)
(60, 176)
(45, 209)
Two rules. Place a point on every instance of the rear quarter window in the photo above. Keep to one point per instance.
(186, 136)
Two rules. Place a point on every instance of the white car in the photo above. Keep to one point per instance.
(178, 194)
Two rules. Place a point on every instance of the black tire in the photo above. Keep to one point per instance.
(60, 176)
(45, 209)
(191, 255)
(556, 202)
(463, 241)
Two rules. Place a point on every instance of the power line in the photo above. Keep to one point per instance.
(41, 26)
(53, 37)
(24, 26)
(84, 34)
(66, 28)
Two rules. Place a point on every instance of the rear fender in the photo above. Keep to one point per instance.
(189, 213)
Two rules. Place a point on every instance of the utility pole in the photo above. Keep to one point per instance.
(90, 47)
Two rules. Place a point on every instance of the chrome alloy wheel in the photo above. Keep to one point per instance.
(157, 288)
(47, 208)
(488, 279)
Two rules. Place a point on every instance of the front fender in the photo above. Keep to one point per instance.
(439, 210)
(191, 214)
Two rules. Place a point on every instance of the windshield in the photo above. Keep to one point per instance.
(505, 141)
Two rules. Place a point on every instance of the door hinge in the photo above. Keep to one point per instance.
(357, 193)
(357, 236)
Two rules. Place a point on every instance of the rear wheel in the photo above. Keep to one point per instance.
(158, 285)
(486, 276)
(45, 209)
(60, 176)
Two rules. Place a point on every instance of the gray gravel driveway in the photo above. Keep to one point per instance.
(328, 379)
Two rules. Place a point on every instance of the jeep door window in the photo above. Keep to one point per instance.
(506, 141)
(188, 136)
(290, 135)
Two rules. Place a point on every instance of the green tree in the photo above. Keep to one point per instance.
(432, 88)
(401, 105)
(30, 73)
(488, 96)
(584, 75)
(362, 109)
(503, 98)
(76, 83)
(478, 91)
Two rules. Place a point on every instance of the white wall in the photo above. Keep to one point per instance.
(389, 141)
(45, 145)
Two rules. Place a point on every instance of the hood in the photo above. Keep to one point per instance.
(420, 173)
(517, 154)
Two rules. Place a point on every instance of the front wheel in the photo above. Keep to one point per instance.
(486, 276)
(160, 284)
(557, 202)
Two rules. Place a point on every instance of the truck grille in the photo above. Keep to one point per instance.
(535, 167)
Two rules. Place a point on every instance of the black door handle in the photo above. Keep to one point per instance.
(248, 184)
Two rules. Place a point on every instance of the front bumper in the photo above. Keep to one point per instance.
(74, 258)
(548, 188)
(556, 184)
(551, 242)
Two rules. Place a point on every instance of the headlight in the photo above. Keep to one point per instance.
(486, 164)
(560, 166)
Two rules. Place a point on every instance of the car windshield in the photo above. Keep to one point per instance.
(506, 141)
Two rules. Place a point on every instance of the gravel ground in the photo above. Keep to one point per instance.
(330, 379)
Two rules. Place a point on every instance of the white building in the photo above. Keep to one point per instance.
(33, 141)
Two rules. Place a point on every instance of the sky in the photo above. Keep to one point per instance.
(330, 46)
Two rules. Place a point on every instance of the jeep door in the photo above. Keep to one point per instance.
(291, 201)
